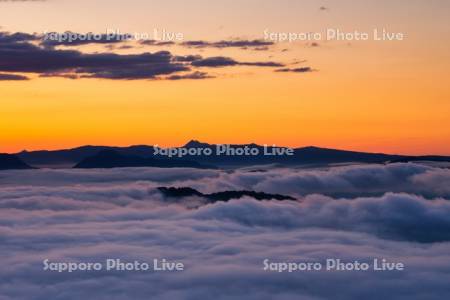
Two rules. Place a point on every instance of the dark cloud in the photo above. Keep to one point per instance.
(54, 39)
(156, 43)
(221, 61)
(262, 64)
(194, 75)
(243, 44)
(195, 43)
(213, 62)
(296, 70)
(187, 58)
(21, 53)
(33, 59)
(8, 38)
(12, 77)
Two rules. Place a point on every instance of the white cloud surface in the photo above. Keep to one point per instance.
(400, 212)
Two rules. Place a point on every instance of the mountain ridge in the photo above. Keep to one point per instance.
(108, 159)
(12, 162)
(302, 155)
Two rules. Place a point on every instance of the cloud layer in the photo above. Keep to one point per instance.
(399, 212)
(32, 53)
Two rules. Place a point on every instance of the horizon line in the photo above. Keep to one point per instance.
(213, 144)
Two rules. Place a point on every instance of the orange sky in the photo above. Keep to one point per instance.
(391, 97)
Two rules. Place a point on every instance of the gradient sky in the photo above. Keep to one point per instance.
(385, 96)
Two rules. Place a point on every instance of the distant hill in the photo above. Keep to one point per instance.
(113, 159)
(302, 156)
(422, 158)
(12, 162)
(220, 196)
(70, 157)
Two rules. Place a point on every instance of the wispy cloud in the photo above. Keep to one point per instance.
(221, 61)
(296, 70)
(243, 44)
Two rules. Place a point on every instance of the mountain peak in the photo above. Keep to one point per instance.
(196, 144)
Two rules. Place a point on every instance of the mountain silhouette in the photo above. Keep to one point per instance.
(112, 159)
(12, 162)
(174, 192)
(70, 157)
(196, 144)
(301, 156)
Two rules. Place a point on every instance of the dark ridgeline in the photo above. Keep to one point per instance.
(173, 192)
(73, 156)
(142, 155)
(12, 162)
(113, 159)
(303, 155)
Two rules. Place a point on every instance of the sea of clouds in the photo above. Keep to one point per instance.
(400, 212)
